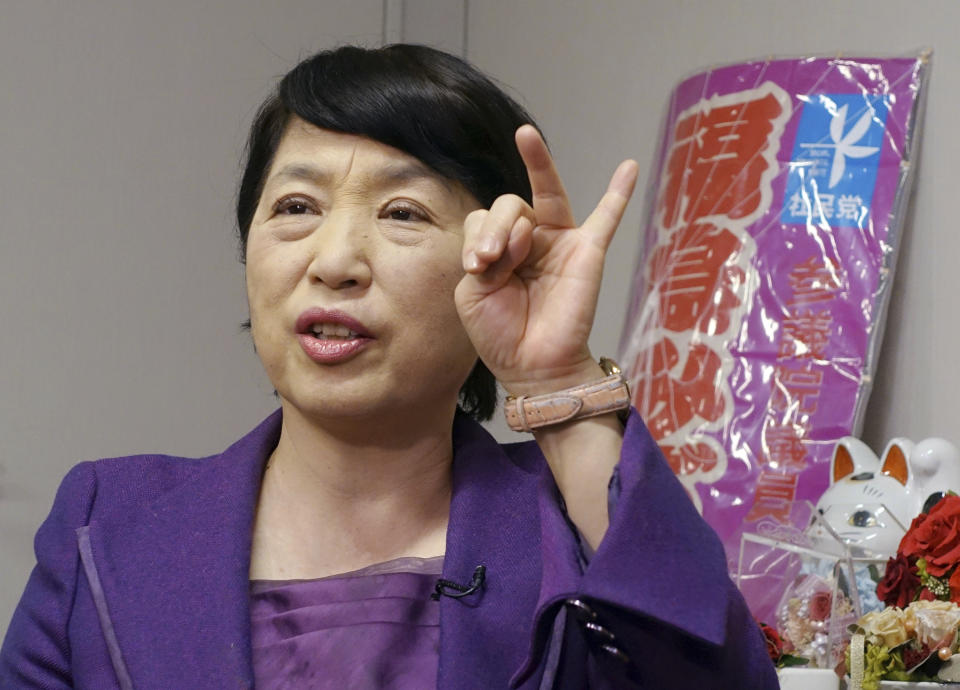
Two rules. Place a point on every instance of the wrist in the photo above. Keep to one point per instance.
(556, 379)
(582, 455)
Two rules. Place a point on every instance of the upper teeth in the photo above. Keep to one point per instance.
(333, 329)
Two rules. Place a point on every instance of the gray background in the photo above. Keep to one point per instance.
(122, 124)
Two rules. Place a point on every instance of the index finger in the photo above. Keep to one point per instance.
(550, 203)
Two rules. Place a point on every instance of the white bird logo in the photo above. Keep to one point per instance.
(846, 146)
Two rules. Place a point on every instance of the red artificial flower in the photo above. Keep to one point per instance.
(900, 582)
(926, 595)
(935, 536)
(774, 642)
(820, 606)
(914, 657)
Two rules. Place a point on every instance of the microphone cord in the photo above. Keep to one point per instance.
(444, 587)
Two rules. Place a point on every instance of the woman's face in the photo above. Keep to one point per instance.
(352, 260)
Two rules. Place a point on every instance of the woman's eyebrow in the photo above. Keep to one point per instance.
(300, 171)
(387, 175)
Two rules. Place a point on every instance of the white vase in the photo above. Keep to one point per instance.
(794, 678)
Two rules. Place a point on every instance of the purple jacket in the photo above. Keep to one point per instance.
(142, 579)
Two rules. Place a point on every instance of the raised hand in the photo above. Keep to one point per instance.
(533, 277)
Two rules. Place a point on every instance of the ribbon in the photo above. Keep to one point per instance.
(857, 661)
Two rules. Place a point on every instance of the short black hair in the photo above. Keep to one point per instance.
(432, 105)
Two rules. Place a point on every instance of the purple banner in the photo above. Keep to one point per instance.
(774, 212)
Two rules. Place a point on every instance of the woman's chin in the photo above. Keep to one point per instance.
(347, 409)
(340, 408)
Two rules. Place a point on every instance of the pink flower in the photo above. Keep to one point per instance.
(820, 606)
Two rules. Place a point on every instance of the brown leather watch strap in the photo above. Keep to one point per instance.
(586, 400)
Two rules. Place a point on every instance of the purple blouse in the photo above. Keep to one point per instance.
(370, 628)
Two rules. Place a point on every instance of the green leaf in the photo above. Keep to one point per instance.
(791, 660)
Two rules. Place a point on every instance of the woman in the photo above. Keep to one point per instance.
(407, 239)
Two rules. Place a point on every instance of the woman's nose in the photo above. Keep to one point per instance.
(340, 252)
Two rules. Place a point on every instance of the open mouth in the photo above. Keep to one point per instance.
(329, 324)
(330, 336)
(332, 331)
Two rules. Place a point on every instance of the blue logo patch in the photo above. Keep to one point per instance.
(833, 169)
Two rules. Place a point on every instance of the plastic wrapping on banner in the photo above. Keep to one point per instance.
(774, 213)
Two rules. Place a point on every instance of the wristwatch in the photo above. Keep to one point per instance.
(608, 394)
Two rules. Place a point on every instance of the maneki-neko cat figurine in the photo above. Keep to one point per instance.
(871, 501)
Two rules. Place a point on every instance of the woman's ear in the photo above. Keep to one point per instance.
(896, 460)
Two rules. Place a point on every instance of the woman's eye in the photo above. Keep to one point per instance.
(405, 213)
(293, 207)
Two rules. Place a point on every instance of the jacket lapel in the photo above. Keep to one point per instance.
(175, 572)
(494, 521)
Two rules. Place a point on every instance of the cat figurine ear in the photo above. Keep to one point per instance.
(897, 458)
(851, 457)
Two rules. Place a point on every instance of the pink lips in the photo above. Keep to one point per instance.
(330, 350)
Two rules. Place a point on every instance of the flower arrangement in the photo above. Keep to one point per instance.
(808, 613)
(925, 567)
(911, 644)
(915, 638)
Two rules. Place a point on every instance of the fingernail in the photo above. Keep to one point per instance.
(489, 244)
(472, 263)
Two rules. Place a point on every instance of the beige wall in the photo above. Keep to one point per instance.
(122, 125)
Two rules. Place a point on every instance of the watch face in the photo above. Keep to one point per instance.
(609, 366)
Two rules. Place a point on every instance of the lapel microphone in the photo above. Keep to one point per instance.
(454, 590)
